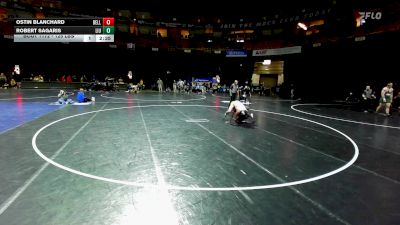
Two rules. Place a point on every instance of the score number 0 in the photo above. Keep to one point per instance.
(108, 22)
(108, 25)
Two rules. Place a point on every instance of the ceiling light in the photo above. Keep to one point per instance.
(266, 62)
(302, 26)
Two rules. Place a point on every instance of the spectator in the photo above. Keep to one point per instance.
(17, 79)
(69, 79)
(80, 97)
(3, 80)
(63, 98)
(83, 79)
(160, 85)
(396, 102)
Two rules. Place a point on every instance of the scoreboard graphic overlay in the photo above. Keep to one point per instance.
(64, 30)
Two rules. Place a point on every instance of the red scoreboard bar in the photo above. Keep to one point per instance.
(107, 21)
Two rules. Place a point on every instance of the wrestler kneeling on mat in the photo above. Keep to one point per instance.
(240, 113)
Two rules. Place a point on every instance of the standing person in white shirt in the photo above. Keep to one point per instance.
(174, 86)
(233, 90)
(160, 85)
(180, 86)
(130, 77)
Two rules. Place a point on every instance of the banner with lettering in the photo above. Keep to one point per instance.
(277, 51)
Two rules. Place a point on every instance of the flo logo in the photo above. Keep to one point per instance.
(370, 15)
(363, 17)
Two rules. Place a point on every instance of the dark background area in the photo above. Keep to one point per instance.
(333, 71)
(322, 73)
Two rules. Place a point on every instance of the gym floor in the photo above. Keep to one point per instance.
(153, 158)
